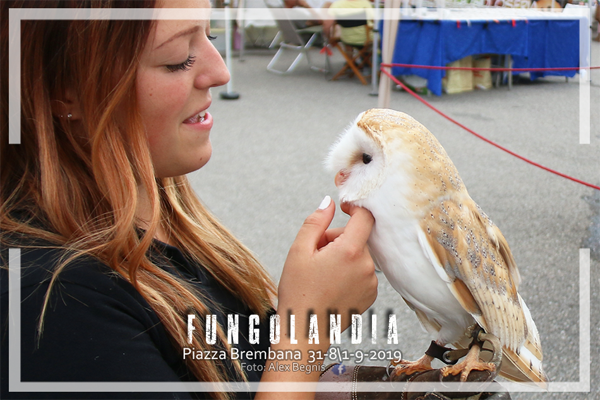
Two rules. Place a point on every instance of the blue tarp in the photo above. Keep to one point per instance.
(532, 43)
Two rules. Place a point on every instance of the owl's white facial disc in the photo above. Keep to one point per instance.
(359, 163)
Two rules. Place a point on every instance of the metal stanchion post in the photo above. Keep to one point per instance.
(229, 94)
(375, 59)
(241, 21)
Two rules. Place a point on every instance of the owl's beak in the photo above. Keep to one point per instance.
(340, 178)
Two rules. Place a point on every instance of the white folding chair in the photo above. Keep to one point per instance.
(294, 40)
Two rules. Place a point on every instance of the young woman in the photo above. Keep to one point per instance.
(118, 255)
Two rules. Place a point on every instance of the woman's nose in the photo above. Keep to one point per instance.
(215, 71)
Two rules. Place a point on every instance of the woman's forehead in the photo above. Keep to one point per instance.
(168, 29)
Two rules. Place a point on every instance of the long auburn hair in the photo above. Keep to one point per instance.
(80, 193)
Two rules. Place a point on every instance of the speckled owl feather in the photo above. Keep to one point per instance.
(435, 245)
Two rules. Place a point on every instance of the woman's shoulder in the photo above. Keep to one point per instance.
(97, 326)
(36, 260)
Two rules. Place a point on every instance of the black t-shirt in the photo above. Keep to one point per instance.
(98, 327)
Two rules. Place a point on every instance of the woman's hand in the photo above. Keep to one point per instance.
(329, 270)
(326, 271)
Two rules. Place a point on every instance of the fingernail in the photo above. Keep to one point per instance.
(325, 203)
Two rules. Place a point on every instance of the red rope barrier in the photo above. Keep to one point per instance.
(512, 153)
(488, 69)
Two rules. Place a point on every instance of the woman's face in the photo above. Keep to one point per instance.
(178, 66)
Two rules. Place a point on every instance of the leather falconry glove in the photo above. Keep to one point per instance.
(489, 390)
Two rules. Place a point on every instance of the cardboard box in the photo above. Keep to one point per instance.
(458, 81)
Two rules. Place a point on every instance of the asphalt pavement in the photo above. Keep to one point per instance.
(267, 174)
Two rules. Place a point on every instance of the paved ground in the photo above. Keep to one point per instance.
(267, 175)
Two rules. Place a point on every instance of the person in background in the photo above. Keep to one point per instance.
(356, 35)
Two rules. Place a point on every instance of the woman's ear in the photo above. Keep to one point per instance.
(68, 107)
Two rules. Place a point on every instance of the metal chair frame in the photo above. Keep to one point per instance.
(293, 41)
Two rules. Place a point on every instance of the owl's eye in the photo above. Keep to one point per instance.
(367, 158)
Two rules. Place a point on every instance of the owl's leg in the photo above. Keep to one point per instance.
(471, 362)
(410, 367)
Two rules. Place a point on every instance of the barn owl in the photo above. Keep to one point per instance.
(434, 244)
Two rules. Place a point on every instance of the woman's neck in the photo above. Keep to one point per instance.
(144, 216)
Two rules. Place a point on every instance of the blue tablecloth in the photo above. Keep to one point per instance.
(532, 43)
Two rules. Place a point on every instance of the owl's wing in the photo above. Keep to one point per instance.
(472, 256)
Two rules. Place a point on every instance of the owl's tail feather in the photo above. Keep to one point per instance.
(525, 364)
(522, 367)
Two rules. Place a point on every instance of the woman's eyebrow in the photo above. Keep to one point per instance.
(188, 31)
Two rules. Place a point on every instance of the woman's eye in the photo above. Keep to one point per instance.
(184, 66)
(211, 37)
